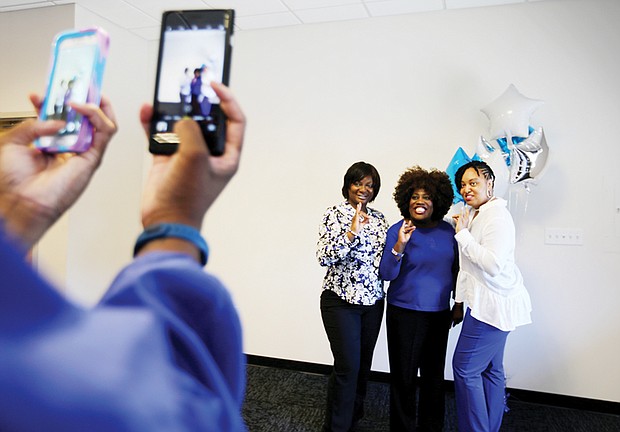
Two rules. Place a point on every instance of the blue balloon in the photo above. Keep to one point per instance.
(459, 159)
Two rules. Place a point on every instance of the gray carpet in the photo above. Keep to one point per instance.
(282, 400)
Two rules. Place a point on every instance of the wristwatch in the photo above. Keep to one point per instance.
(181, 231)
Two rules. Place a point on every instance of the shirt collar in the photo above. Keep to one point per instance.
(495, 202)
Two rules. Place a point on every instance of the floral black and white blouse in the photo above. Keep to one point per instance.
(352, 266)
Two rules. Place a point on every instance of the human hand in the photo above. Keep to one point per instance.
(359, 219)
(182, 187)
(463, 219)
(405, 231)
(404, 235)
(36, 188)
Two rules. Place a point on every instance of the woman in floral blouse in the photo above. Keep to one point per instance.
(351, 241)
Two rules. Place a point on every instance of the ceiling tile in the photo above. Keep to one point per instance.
(120, 12)
(397, 7)
(154, 8)
(10, 3)
(265, 21)
(455, 4)
(314, 4)
(143, 17)
(13, 5)
(148, 33)
(249, 7)
(338, 13)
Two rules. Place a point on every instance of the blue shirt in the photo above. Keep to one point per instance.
(161, 352)
(425, 276)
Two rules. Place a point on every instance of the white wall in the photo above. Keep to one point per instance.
(26, 52)
(408, 90)
(395, 92)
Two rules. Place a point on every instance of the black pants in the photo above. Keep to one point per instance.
(352, 331)
(417, 340)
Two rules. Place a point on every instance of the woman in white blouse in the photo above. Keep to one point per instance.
(351, 241)
(491, 285)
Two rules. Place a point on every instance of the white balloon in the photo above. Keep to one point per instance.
(510, 114)
(484, 148)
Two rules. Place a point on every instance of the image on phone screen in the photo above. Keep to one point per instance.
(70, 81)
(193, 53)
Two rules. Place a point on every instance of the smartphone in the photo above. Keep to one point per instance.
(76, 72)
(195, 48)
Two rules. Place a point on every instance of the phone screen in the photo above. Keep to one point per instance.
(194, 50)
(75, 76)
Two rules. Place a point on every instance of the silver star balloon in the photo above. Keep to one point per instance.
(529, 157)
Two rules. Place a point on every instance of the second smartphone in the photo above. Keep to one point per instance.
(76, 71)
(194, 50)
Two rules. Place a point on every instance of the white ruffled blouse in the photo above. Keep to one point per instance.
(489, 281)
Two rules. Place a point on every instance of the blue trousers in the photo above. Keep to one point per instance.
(352, 331)
(479, 381)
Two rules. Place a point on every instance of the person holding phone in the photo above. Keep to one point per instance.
(490, 284)
(420, 259)
(351, 240)
(162, 350)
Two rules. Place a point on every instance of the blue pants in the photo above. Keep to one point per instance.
(352, 331)
(479, 381)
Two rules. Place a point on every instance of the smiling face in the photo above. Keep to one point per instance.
(361, 191)
(476, 190)
(421, 208)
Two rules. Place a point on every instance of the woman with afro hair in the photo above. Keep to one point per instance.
(420, 260)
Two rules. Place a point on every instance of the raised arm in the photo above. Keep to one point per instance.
(182, 187)
(36, 188)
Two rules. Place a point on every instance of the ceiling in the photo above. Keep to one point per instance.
(142, 17)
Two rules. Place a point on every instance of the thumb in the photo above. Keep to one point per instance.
(28, 131)
(190, 137)
(146, 114)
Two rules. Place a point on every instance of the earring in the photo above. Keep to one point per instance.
(490, 189)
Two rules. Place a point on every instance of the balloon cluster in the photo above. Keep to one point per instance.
(516, 152)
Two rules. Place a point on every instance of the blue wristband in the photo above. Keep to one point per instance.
(181, 231)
